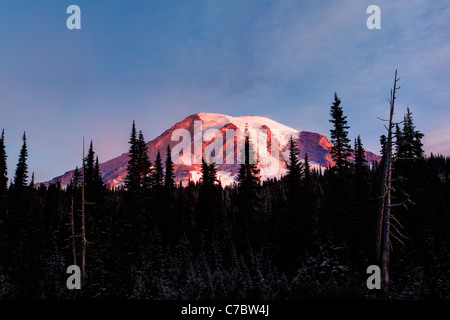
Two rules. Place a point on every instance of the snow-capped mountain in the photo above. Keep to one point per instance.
(221, 138)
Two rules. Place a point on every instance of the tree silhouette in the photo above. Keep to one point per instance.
(20, 178)
(341, 149)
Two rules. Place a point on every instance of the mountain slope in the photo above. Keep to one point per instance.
(206, 131)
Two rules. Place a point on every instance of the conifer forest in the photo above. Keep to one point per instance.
(310, 235)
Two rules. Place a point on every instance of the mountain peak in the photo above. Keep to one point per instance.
(276, 134)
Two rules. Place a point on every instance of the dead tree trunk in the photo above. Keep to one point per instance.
(73, 235)
(83, 227)
(384, 211)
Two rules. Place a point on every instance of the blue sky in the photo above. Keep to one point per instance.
(160, 61)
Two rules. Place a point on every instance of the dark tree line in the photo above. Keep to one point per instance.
(310, 234)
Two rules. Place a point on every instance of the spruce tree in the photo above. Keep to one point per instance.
(98, 179)
(248, 175)
(158, 173)
(383, 141)
(90, 173)
(410, 146)
(75, 182)
(89, 170)
(132, 178)
(338, 178)
(248, 223)
(169, 181)
(139, 165)
(31, 185)
(3, 166)
(3, 198)
(20, 178)
(144, 165)
(168, 199)
(360, 221)
(293, 177)
(93, 179)
(398, 141)
(294, 167)
(310, 196)
(341, 149)
(307, 170)
(206, 199)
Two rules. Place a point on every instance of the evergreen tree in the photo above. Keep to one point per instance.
(398, 141)
(98, 179)
(248, 175)
(294, 167)
(307, 170)
(360, 159)
(144, 165)
(410, 146)
(248, 223)
(291, 229)
(209, 219)
(132, 178)
(168, 200)
(157, 181)
(360, 222)
(93, 183)
(295, 193)
(310, 196)
(169, 181)
(89, 169)
(3, 167)
(139, 165)
(31, 185)
(383, 141)
(75, 181)
(338, 178)
(20, 178)
(158, 173)
(3, 198)
(341, 149)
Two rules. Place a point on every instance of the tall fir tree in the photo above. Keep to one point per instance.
(158, 172)
(248, 175)
(294, 167)
(98, 179)
(139, 165)
(93, 183)
(3, 167)
(89, 170)
(293, 178)
(169, 182)
(167, 215)
(360, 222)
(410, 145)
(208, 220)
(31, 185)
(309, 194)
(341, 149)
(3, 199)
(337, 194)
(20, 178)
(75, 182)
(248, 223)
(144, 165)
(132, 178)
(383, 141)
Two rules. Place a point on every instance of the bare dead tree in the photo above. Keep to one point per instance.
(73, 234)
(83, 227)
(384, 211)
